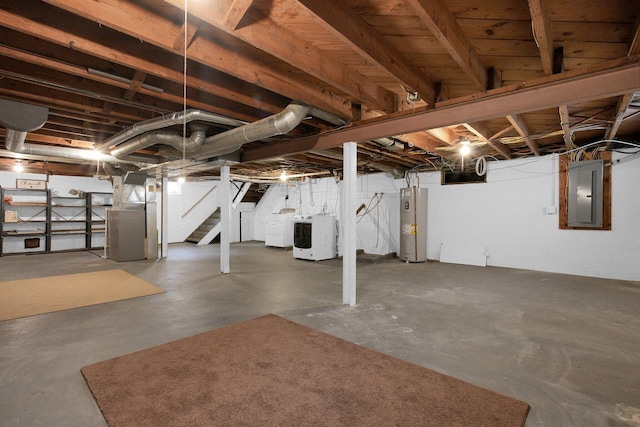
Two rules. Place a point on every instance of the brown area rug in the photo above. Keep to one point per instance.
(28, 297)
(272, 372)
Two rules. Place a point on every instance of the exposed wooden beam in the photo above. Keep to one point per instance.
(634, 48)
(520, 125)
(565, 123)
(70, 102)
(623, 102)
(53, 140)
(426, 143)
(595, 82)
(501, 132)
(235, 13)
(357, 33)
(435, 15)
(282, 43)
(48, 168)
(444, 134)
(62, 67)
(135, 85)
(185, 36)
(479, 130)
(621, 108)
(541, 27)
(126, 16)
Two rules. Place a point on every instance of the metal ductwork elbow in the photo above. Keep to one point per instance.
(19, 119)
(231, 140)
(180, 117)
(191, 144)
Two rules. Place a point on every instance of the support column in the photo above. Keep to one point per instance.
(164, 219)
(349, 162)
(225, 218)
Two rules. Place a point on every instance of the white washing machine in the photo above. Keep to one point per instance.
(314, 237)
(279, 230)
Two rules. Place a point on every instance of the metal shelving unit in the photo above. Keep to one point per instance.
(26, 219)
(68, 228)
(98, 203)
(35, 221)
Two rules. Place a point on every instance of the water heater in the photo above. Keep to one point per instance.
(413, 224)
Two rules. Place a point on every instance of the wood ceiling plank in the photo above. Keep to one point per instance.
(135, 21)
(439, 20)
(357, 33)
(274, 39)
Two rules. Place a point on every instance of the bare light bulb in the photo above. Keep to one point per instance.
(465, 148)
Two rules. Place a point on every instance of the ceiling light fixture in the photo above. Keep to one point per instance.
(18, 167)
(283, 176)
(465, 148)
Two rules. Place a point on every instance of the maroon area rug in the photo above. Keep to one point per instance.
(273, 372)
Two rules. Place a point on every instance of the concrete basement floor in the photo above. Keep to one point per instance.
(567, 345)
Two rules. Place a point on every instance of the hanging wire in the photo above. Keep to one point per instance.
(184, 88)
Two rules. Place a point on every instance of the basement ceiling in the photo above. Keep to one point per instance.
(410, 81)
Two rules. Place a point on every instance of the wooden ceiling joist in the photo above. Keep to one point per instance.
(624, 101)
(479, 130)
(519, 124)
(284, 44)
(435, 15)
(614, 77)
(162, 33)
(356, 32)
(542, 34)
(186, 35)
(235, 13)
(221, 86)
(541, 27)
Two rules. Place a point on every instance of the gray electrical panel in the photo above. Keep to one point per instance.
(585, 201)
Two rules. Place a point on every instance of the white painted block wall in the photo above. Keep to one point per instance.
(181, 225)
(504, 218)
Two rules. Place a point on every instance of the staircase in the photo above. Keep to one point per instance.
(204, 228)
